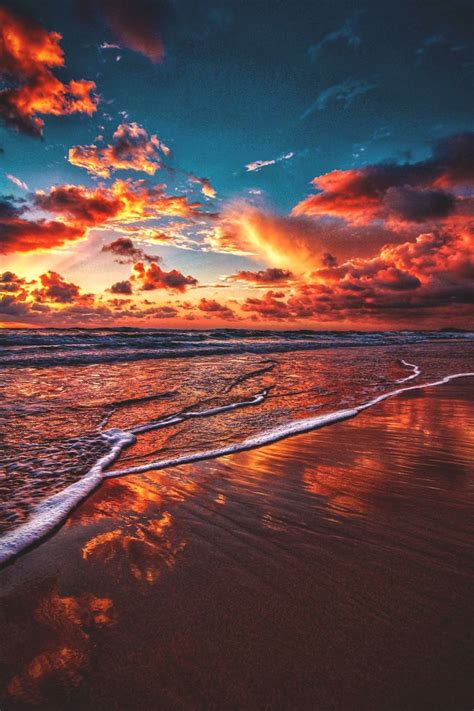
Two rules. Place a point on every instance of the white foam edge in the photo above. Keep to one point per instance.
(48, 515)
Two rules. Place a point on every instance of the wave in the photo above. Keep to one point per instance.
(47, 348)
(50, 514)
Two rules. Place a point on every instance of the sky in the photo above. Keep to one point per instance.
(241, 164)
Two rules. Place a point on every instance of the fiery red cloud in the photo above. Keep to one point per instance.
(123, 201)
(153, 277)
(299, 244)
(131, 149)
(387, 242)
(18, 234)
(213, 307)
(403, 283)
(411, 192)
(28, 54)
(54, 288)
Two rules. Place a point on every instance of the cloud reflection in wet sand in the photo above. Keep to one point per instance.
(326, 567)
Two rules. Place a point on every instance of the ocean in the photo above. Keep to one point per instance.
(77, 406)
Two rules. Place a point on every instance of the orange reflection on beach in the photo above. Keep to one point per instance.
(67, 622)
(369, 472)
(146, 547)
(141, 534)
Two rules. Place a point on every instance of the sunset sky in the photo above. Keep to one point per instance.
(253, 163)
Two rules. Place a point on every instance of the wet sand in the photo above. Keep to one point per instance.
(332, 570)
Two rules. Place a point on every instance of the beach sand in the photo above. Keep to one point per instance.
(331, 570)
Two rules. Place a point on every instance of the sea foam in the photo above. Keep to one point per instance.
(48, 515)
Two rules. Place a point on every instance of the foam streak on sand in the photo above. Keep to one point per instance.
(415, 374)
(50, 514)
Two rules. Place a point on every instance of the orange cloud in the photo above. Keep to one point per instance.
(410, 192)
(18, 234)
(132, 149)
(80, 209)
(206, 187)
(54, 288)
(299, 244)
(28, 53)
(124, 201)
(153, 277)
(214, 308)
(421, 281)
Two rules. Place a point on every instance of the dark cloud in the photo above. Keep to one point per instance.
(328, 260)
(121, 287)
(54, 288)
(271, 275)
(89, 207)
(127, 253)
(11, 306)
(135, 25)
(359, 194)
(417, 205)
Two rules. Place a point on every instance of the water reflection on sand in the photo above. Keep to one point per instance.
(329, 568)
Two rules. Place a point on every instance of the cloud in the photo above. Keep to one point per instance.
(148, 278)
(347, 33)
(206, 188)
(121, 287)
(345, 92)
(136, 26)
(271, 275)
(16, 181)
(54, 288)
(420, 281)
(10, 306)
(126, 252)
(214, 308)
(259, 164)
(11, 283)
(408, 192)
(131, 149)
(79, 209)
(270, 307)
(436, 40)
(53, 300)
(124, 201)
(418, 205)
(294, 242)
(28, 55)
(18, 234)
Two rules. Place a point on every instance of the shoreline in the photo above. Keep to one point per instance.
(345, 548)
(54, 512)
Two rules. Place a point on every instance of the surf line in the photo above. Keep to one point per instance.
(415, 374)
(281, 432)
(50, 514)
